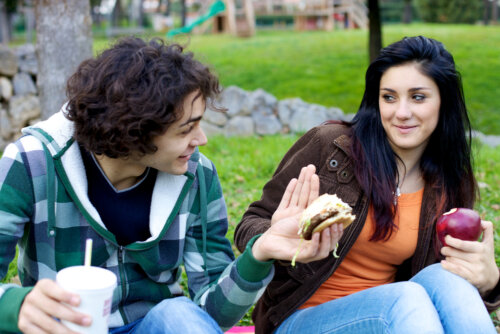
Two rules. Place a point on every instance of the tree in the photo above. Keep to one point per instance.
(4, 26)
(407, 12)
(117, 14)
(29, 19)
(7, 10)
(137, 12)
(183, 12)
(449, 11)
(375, 29)
(64, 40)
(486, 17)
(494, 11)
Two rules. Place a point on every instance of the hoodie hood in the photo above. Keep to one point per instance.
(63, 154)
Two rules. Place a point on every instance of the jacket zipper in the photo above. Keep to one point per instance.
(121, 269)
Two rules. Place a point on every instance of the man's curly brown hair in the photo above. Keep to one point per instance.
(131, 93)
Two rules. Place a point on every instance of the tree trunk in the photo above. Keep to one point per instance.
(167, 10)
(136, 12)
(183, 12)
(494, 12)
(375, 29)
(117, 14)
(64, 40)
(486, 11)
(4, 25)
(96, 15)
(29, 18)
(407, 17)
(141, 22)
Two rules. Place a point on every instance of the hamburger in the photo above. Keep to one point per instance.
(324, 211)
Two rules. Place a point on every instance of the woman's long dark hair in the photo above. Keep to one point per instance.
(446, 163)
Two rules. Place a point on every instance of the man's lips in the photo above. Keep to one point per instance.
(186, 156)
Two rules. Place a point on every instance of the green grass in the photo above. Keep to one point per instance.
(487, 161)
(328, 67)
(244, 166)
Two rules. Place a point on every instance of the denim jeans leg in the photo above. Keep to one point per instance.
(458, 302)
(397, 308)
(177, 315)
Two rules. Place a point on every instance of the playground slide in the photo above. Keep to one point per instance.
(215, 8)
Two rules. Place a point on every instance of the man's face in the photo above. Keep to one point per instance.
(176, 145)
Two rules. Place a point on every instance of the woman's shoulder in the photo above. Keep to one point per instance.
(333, 131)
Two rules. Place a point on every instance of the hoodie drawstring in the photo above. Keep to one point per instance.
(51, 193)
(203, 213)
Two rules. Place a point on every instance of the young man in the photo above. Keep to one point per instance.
(119, 164)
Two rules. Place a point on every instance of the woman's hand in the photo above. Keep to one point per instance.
(298, 194)
(282, 241)
(44, 303)
(473, 260)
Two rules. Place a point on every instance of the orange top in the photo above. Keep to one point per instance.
(368, 263)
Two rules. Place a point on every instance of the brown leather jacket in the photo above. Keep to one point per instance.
(328, 148)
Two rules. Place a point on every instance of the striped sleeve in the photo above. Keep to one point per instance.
(214, 280)
(16, 205)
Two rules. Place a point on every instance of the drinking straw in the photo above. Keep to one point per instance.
(88, 252)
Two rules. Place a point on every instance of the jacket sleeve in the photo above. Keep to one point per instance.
(225, 288)
(16, 205)
(257, 218)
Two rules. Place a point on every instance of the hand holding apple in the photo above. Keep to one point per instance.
(471, 259)
(461, 223)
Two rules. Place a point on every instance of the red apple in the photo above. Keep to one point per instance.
(460, 223)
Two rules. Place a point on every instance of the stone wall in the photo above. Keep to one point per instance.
(260, 113)
(19, 104)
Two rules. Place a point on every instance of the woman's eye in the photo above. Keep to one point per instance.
(388, 98)
(419, 97)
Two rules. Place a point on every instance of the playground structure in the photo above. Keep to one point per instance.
(237, 17)
(316, 14)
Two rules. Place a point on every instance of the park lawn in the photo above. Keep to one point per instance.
(328, 67)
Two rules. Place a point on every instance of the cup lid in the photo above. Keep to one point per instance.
(86, 278)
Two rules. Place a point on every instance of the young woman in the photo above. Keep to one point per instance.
(404, 160)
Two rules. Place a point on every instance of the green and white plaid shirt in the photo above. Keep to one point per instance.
(45, 210)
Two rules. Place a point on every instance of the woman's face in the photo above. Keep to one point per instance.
(409, 105)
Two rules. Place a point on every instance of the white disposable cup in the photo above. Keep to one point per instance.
(95, 286)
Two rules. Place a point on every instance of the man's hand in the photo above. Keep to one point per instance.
(44, 303)
(473, 260)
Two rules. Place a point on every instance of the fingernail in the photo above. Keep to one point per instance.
(86, 321)
(75, 300)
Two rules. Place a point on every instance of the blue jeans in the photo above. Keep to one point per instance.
(433, 301)
(172, 316)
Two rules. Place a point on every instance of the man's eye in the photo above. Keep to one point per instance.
(188, 130)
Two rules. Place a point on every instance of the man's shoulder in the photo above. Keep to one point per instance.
(27, 145)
